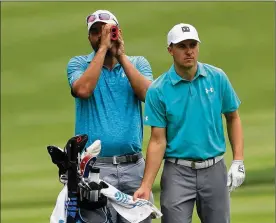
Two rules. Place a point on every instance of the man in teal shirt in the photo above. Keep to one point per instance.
(109, 88)
(184, 108)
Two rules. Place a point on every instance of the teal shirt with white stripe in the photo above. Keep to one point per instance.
(113, 113)
(191, 111)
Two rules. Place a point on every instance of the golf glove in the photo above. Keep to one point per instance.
(236, 175)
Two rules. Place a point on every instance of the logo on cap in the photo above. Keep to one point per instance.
(185, 29)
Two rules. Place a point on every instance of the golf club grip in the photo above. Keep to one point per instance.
(114, 33)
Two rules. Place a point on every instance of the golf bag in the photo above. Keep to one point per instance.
(85, 203)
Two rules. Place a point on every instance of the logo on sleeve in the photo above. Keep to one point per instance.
(146, 118)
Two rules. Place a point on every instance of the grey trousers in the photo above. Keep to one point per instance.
(182, 187)
(126, 178)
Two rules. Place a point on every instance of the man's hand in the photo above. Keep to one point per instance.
(105, 37)
(143, 193)
(118, 47)
(236, 175)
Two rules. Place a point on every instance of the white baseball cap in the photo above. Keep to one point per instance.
(101, 16)
(182, 32)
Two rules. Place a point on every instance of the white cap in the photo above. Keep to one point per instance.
(182, 32)
(111, 20)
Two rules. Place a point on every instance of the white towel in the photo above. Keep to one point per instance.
(133, 211)
(59, 213)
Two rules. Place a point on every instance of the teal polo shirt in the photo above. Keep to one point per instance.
(113, 113)
(191, 111)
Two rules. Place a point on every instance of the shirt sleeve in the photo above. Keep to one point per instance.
(75, 69)
(155, 113)
(144, 68)
(230, 100)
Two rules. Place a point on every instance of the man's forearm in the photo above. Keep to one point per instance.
(234, 129)
(88, 81)
(155, 154)
(138, 82)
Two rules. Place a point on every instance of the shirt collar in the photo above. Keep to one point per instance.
(90, 57)
(175, 78)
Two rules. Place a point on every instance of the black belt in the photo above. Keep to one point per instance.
(120, 159)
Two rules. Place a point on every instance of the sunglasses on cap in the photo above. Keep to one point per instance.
(101, 16)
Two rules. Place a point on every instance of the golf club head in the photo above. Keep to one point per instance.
(59, 158)
(77, 142)
(73, 148)
(94, 149)
(57, 154)
(87, 161)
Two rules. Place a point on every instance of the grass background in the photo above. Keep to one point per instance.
(39, 38)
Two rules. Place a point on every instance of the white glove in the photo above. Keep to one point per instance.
(236, 175)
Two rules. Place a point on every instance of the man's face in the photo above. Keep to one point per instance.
(94, 35)
(185, 53)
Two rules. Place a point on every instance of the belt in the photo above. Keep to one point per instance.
(120, 159)
(196, 164)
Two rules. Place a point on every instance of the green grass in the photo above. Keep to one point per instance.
(39, 38)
